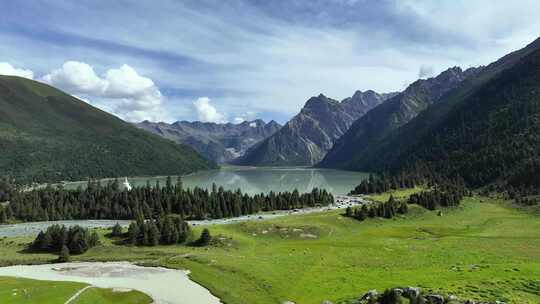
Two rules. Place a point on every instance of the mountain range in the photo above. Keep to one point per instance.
(484, 131)
(394, 113)
(306, 138)
(480, 125)
(47, 135)
(220, 143)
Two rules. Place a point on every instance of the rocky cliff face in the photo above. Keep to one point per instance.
(306, 138)
(392, 114)
(218, 142)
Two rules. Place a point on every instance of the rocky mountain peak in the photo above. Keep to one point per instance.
(306, 138)
(218, 142)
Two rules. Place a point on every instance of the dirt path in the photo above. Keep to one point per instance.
(77, 294)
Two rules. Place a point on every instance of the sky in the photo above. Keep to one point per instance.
(235, 60)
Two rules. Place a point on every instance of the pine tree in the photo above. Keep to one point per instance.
(3, 215)
(349, 212)
(64, 256)
(153, 234)
(133, 233)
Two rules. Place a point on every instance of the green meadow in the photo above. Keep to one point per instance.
(24, 291)
(484, 249)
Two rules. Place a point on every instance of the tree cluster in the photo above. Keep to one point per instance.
(98, 201)
(384, 183)
(441, 196)
(166, 230)
(385, 210)
(77, 239)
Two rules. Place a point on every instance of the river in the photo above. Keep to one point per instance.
(179, 289)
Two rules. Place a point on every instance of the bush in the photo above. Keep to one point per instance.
(205, 238)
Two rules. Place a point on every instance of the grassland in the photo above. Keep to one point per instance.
(17, 290)
(102, 295)
(481, 250)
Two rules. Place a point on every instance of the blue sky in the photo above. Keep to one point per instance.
(230, 60)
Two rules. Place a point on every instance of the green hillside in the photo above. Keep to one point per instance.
(47, 135)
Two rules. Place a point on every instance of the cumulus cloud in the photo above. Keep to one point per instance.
(207, 112)
(76, 77)
(135, 97)
(426, 71)
(8, 69)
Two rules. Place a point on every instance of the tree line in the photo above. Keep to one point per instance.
(387, 210)
(108, 201)
(383, 183)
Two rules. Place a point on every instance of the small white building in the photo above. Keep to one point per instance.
(126, 184)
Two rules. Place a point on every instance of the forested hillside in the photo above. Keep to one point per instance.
(394, 113)
(47, 135)
(486, 131)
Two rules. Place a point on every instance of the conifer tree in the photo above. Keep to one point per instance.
(64, 255)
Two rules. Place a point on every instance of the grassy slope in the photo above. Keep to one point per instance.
(103, 296)
(17, 290)
(480, 250)
(400, 194)
(47, 135)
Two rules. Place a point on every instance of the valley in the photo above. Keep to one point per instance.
(270, 152)
(484, 249)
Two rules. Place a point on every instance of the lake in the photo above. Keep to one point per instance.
(254, 180)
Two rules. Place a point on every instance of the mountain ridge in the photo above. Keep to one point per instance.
(306, 138)
(392, 114)
(484, 132)
(218, 142)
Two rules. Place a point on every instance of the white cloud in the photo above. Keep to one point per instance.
(76, 77)
(262, 61)
(238, 120)
(207, 112)
(253, 124)
(425, 71)
(8, 69)
(135, 97)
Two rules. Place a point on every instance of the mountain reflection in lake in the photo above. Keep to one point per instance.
(253, 180)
